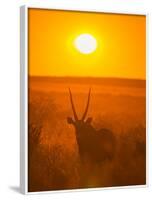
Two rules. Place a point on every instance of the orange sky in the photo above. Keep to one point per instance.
(121, 40)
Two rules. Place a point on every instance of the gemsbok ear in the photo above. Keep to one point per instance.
(70, 120)
(89, 120)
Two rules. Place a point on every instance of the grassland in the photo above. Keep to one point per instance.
(116, 104)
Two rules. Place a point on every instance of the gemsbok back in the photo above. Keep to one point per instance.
(93, 145)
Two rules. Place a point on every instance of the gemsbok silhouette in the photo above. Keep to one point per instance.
(93, 145)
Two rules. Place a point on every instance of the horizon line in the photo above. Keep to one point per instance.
(102, 77)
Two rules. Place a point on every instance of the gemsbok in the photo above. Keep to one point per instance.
(93, 145)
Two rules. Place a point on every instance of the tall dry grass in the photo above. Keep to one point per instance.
(54, 161)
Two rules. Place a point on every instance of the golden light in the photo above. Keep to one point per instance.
(85, 43)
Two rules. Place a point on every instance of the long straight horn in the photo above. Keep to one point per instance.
(72, 104)
(87, 106)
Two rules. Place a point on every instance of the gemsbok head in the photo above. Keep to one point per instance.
(94, 145)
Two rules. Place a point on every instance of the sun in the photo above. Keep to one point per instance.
(85, 43)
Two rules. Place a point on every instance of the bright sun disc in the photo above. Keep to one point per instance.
(85, 43)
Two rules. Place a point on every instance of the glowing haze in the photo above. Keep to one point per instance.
(67, 43)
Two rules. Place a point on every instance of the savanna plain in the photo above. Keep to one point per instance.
(118, 105)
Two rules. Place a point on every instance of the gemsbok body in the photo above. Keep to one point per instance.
(93, 145)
